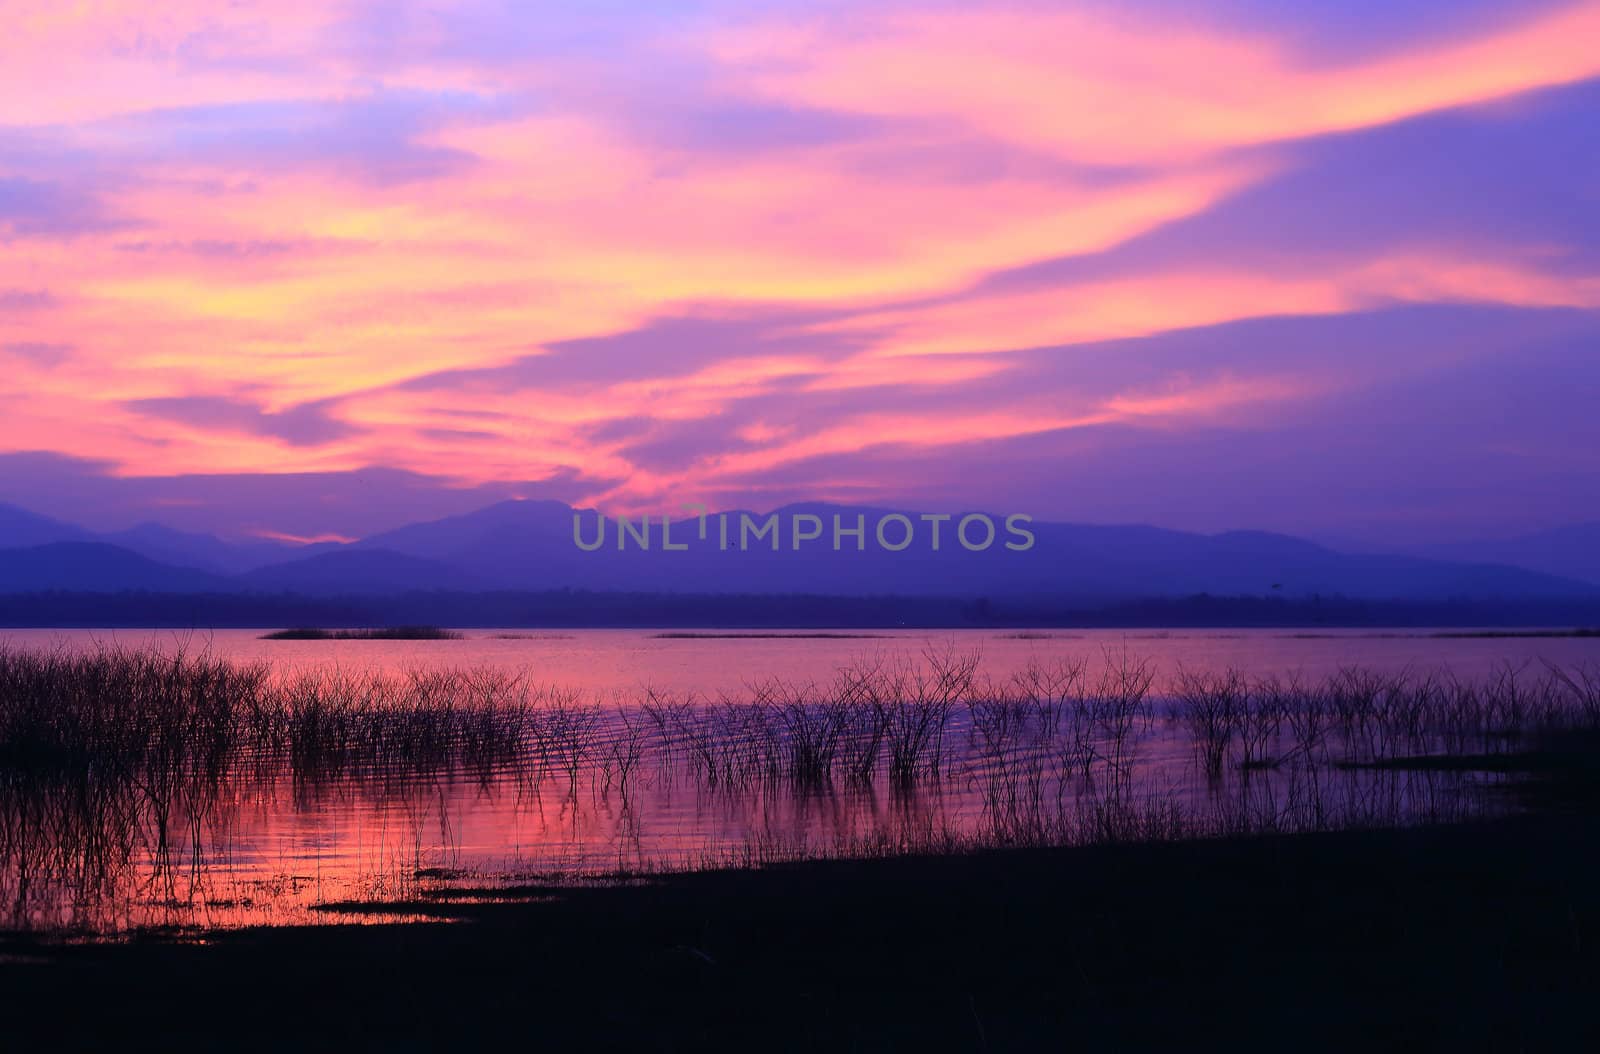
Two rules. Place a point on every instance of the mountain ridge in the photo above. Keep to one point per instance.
(529, 545)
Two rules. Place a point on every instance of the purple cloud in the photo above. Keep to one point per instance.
(666, 347)
(306, 504)
(27, 299)
(41, 353)
(309, 424)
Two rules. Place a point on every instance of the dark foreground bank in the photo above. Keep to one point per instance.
(1473, 937)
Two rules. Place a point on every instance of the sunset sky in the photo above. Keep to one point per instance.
(319, 268)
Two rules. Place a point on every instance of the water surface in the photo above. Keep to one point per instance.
(708, 774)
(606, 660)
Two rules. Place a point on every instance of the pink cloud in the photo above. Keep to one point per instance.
(256, 241)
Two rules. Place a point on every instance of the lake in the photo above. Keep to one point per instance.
(629, 751)
(608, 660)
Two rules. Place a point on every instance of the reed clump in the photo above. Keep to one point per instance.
(380, 633)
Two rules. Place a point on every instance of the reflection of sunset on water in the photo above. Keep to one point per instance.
(394, 771)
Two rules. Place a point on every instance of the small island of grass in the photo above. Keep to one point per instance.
(381, 633)
(677, 635)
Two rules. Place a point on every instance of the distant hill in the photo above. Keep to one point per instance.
(529, 546)
(354, 572)
(20, 528)
(96, 567)
(501, 528)
(204, 551)
(1570, 551)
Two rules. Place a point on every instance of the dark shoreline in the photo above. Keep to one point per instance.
(584, 609)
(1462, 937)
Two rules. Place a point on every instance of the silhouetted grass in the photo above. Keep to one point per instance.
(530, 636)
(1038, 635)
(382, 633)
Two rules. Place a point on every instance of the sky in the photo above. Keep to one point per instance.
(315, 269)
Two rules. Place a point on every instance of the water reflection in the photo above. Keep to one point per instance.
(147, 788)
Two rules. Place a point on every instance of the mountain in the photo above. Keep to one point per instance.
(356, 571)
(96, 567)
(504, 526)
(204, 551)
(530, 546)
(19, 527)
(1573, 552)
